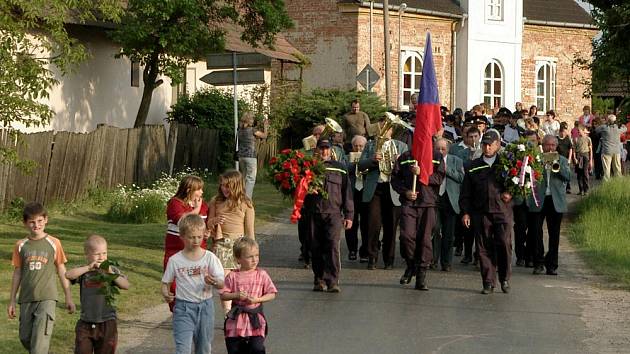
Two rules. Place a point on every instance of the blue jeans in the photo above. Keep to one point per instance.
(193, 323)
(248, 167)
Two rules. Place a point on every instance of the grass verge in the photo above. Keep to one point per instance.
(600, 230)
(138, 248)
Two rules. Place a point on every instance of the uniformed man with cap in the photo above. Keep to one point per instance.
(329, 216)
(418, 215)
(486, 208)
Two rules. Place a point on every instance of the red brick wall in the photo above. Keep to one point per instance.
(412, 36)
(336, 40)
(328, 37)
(561, 44)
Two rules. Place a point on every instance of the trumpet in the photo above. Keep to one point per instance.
(331, 126)
(551, 160)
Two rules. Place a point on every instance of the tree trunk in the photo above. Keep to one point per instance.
(149, 77)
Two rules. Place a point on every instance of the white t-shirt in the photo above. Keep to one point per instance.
(189, 275)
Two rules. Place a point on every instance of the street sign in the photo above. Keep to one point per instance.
(243, 60)
(226, 77)
(368, 77)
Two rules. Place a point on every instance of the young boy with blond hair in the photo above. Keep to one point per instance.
(196, 272)
(36, 259)
(96, 331)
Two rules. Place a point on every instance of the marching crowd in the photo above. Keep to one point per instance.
(463, 210)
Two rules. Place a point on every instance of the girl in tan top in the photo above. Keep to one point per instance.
(230, 217)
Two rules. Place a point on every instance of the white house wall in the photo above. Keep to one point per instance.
(99, 91)
(487, 40)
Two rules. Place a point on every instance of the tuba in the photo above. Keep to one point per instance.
(330, 127)
(390, 154)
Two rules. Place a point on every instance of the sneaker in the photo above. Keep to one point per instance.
(505, 286)
(487, 289)
(371, 264)
(539, 270)
(319, 286)
(334, 289)
(352, 256)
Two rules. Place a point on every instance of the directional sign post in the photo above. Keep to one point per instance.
(246, 68)
(368, 77)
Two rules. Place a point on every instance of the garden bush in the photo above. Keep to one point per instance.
(214, 109)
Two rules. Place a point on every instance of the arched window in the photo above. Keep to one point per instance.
(493, 85)
(411, 72)
(546, 86)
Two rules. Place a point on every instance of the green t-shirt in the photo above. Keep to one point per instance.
(38, 260)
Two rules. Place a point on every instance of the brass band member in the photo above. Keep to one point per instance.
(379, 158)
(360, 217)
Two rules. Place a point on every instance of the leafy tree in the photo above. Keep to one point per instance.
(164, 36)
(611, 51)
(33, 41)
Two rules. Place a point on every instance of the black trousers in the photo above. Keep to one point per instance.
(382, 213)
(554, 221)
(360, 222)
(520, 231)
(326, 262)
(493, 235)
(245, 345)
(582, 173)
(305, 230)
(444, 234)
(416, 227)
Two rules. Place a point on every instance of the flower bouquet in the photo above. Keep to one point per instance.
(295, 175)
(519, 167)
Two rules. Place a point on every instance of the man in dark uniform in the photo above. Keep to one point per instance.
(329, 216)
(418, 215)
(486, 207)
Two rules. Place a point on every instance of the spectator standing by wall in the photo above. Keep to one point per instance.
(247, 161)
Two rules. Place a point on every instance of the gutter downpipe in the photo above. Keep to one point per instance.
(453, 63)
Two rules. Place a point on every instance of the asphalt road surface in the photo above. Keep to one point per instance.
(374, 314)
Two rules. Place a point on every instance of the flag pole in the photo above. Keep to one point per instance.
(415, 179)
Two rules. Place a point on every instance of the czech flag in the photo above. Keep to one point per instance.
(428, 117)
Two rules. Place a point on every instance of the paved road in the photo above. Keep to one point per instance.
(374, 314)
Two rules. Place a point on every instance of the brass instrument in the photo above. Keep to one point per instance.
(551, 160)
(331, 126)
(386, 164)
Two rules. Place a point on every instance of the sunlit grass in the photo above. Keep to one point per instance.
(600, 230)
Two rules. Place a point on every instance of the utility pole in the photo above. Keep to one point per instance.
(387, 54)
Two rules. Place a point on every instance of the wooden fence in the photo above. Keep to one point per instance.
(69, 164)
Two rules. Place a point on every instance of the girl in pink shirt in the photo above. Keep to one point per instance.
(247, 287)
